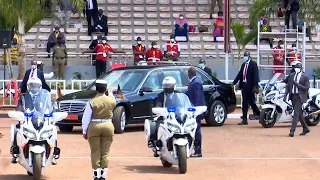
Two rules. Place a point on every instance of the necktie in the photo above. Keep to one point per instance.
(245, 72)
(295, 87)
(32, 73)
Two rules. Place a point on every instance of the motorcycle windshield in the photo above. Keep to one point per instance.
(179, 104)
(276, 78)
(40, 105)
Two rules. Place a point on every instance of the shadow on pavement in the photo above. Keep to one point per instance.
(152, 169)
(18, 177)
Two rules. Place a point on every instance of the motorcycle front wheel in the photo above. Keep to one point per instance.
(182, 159)
(313, 121)
(37, 166)
(265, 118)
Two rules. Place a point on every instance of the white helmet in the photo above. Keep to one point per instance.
(293, 63)
(34, 85)
(169, 84)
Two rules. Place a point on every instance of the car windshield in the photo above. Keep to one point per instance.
(39, 104)
(179, 102)
(128, 80)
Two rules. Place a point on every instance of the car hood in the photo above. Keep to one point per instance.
(89, 94)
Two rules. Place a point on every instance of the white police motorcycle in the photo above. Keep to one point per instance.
(176, 134)
(275, 110)
(34, 140)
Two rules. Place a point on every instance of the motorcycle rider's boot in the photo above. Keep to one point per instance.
(54, 161)
(14, 160)
(96, 174)
(104, 173)
(14, 151)
(291, 134)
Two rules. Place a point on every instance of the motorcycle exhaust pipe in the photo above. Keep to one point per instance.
(315, 113)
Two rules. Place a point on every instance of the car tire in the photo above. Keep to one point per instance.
(65, 128)
(217, 114)
(119, 119)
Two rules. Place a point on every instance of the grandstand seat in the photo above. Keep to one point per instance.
(152, 23)
(177, 9)
(112, 1)
(138, 2)
(153, 31)
(126, 38)
(191, 15)
(71, 46)
(45, 30)
(151, 2)
(138, 15)
(71, 38)
(125, 8)
(138, 8)
(165, 15)
(85, 38)
(126, 31)
(126, 46)
(112, 9)
(112, 15)
(125, 1)
(164, 9)
(30, 37)
(139, 31)
(195, 46)
(153, 38)
(113, 38)
(125, 15)
(166, 31)
(202, 2)
(209, 47)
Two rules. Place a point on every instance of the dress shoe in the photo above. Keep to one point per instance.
(291, 134)
(305, 132)
(243, 123)
(54, 161)
(196, 155)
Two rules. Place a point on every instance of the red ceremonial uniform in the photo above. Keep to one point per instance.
(102, 51)
(278, 54)
(172, 48)
(294, 56)
(154, 55)
(139, 48)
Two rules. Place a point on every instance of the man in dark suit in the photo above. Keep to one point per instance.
(91, 13)
(33, 72)
(101, 23)
(202, 65)
(248, 78)
(298, 88)
(196, 96)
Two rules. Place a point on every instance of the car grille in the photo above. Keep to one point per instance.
(72, 107)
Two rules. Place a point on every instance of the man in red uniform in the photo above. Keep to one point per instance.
(154, 54)
(293, 54)
(278, 55)
(172, 48)
(139, 51)
(102, 50)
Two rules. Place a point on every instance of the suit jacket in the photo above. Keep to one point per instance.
(252, 75)
(195, 93)
(303, 87)
(102, 22)
(23, 85)
(160, 99)
(95, 5)
(208, 71)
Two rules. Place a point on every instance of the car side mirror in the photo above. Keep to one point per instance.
(144, 89)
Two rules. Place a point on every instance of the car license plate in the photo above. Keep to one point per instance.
(72, 117)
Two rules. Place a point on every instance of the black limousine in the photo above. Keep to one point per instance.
(138, 84)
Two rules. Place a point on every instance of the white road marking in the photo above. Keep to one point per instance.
(203, 158)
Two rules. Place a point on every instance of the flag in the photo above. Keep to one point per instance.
(59, 91)
(119, 93)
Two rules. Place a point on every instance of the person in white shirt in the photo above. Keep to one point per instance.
(46, 75)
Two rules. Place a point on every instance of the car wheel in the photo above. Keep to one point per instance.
(119, 119)
(217, 114)
(65, 128)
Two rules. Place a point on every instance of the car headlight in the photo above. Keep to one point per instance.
(173, 128)
(46, 134)
(29, 133)
(189, 127)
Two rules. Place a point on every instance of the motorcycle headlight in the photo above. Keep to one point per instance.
(55, 105)
(46, 134)
(29, 133)
(174, 128)
(269, 97)
(189, 127)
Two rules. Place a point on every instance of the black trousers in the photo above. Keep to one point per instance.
(293, 13)
(49, 46)
(297, 116)
(101, 67)
(91, 15)
(248, 99)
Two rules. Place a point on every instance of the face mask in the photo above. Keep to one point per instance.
(33, 66)
(294, 48)
(104, 41)
(181, 17)
(297, 70)
(172, 40)
(154, 46)
(201, 65)
(139, 42)
(246, 58)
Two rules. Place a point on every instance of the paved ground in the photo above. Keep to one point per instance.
(231, 152)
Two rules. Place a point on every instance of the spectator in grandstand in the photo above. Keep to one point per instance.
(278, 55)
(181, 25)
(102, 50)
(172, 49)
(265, 28)
(218, 27)
(202, 65)
(213, 5)
(101, 23)
(15, 34)
(91, 10)
(14, 53)
(139, 51)
(154, 54)
(94, 43)
(291, 7)
(293, 54)
(52, 40)
(65, 12)
(60, 58)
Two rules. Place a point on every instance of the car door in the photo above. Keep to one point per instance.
(208, 86)
(151, 87)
